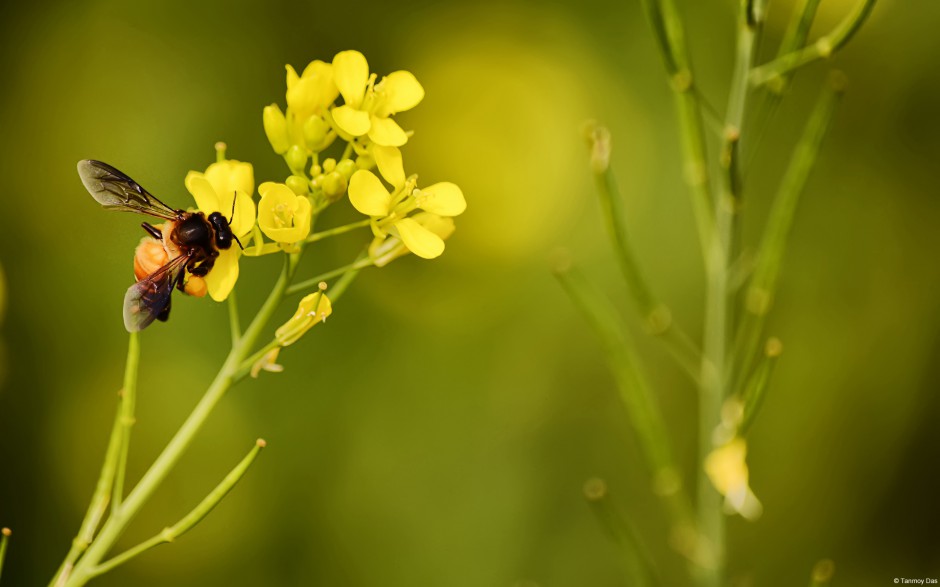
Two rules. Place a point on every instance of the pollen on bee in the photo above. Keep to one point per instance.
(149, 256)
(195, 286)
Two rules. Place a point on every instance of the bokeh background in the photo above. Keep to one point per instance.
(439, 428)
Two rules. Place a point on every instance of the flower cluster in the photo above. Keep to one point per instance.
(403, 217)
(328, 103)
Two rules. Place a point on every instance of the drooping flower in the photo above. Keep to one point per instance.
(368, 105)
(226, 187)
(728, 472)
(424, 236)
(311, 310)
(283, 215)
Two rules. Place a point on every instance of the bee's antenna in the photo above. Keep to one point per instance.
(234, 199)
(238, 241)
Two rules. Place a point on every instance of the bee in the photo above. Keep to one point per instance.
(197, 237)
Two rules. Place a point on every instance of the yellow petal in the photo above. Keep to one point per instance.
(313, 92)
(440, 225)
(275, 127)
(387, 133)
(351, 73)
(230, 176)
(388, 160)
(368, 195)
(292, 76)
(352, 121)
(221, 279)
(206, 198)
(419, 240)
(243, 218)
(443, 199)
(402, 92)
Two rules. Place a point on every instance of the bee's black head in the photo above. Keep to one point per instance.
(223, 232)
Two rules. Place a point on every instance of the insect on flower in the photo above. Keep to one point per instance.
(197, 237)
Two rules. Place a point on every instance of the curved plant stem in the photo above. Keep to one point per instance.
(823, 48)
(98, 505)
(5, 534)
(192, 518)
(87, 566)
(669, 33)
(656, 316)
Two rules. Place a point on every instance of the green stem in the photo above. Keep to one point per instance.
(114, 527)
(234, 321)
(656, 315)
(763, 283)
(5, 534)
(637, 562)
(127, 418)
(102, 495)
(823, 48)
(192, 518)
(669, 33)
(637, 397)
(347, 151)
(338, 230)
(715, 364)
(313, 282)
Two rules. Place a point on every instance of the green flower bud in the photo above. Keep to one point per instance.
(296, 159)
(297, 184)
(275, 126)
(333, 185)
(346, 167)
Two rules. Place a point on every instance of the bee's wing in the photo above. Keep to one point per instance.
(116, 191)
(149, 298)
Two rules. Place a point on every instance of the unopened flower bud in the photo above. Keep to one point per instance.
(296, 158)
(275, 126)
(329, 165)
(312, 310)
(316, 133)
(365, 162)
(297, 184)
(346, 167)
(333, 185)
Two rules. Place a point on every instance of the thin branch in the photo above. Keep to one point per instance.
(192, 518)
(823, 48)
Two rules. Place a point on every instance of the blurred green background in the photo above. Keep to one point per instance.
(438, 429)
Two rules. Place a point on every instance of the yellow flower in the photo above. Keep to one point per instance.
(312, 310)
(309, 96)
(283, 215)
(423, 236)
(385, 250)
(727, 469)
(225, 187)
(311, 92)
(369, 105)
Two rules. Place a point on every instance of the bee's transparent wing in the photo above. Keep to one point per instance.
(149, 299)
(116, 191)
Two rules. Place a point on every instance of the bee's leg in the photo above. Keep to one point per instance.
(203, 268)
(152, 230)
